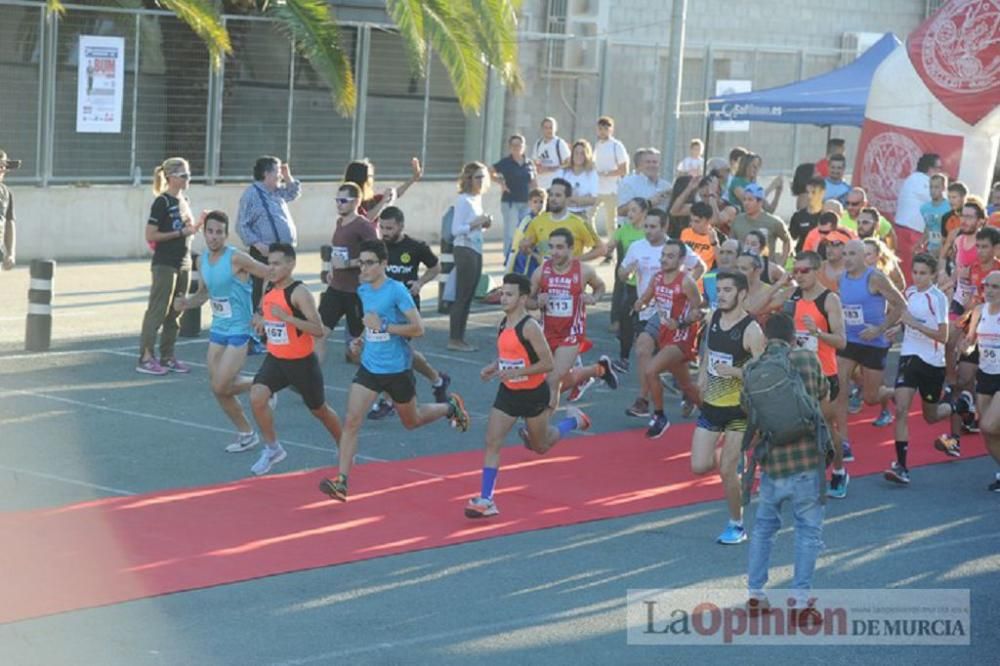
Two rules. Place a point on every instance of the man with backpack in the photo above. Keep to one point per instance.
(782, 394)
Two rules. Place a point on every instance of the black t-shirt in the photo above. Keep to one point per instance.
(405, 257)
(166, 217)
(518, 178)
(801, 224)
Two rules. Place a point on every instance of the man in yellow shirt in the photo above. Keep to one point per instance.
(857, 199)
(584, 236)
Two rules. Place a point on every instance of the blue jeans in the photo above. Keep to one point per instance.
(803, 492)
(513, 212)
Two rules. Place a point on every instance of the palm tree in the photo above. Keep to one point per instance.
(468, 36)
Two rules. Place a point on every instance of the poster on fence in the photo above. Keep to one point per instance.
(731, 87)
(100, 84)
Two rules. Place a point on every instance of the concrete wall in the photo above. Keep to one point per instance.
(108, 222)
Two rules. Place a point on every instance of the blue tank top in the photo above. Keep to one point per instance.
(230, 295)
(862, 308)
(709, 284)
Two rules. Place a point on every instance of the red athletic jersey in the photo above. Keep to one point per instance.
(672, 303)
(564, 318)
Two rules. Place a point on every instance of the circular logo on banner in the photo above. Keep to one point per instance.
(959, 47)
(889, 158)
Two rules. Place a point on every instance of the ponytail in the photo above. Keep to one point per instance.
(159, 181)
(160, 173)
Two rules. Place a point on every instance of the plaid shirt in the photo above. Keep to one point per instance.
(801, 456)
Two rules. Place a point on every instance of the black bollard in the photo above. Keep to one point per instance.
(38, 332)
(325, 252)
(191, 319)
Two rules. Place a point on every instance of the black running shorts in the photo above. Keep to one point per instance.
(916, 373)
(526, 403)
(867, 356)
(401, 387)
(303, 374)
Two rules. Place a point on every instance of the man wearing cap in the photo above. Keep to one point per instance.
(755, 217)
(6, 213)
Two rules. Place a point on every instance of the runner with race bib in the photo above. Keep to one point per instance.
(985, 330)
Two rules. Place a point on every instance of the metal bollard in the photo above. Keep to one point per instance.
(191, 319)
(38, 331)
(325, 253)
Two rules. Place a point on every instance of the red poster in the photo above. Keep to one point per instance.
(956, 52)
(887, 154)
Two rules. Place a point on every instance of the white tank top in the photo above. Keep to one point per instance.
(930, 308)
(988, 335)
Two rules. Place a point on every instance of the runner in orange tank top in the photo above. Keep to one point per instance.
(680, 309)
(558, 290)
(289, 316)
(523, 361)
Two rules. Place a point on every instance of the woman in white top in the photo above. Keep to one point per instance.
(582, 175)
(467, 229)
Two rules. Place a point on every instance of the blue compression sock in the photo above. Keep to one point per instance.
(566, 426)
(489, 482)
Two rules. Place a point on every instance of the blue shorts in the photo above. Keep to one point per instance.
(240, 340)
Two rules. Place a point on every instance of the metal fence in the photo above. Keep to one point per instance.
(266, 99)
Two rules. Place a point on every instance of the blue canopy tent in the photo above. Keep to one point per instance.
(834, 98)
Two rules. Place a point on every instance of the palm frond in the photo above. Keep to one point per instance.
(451, 38)
(55, 7)
(408, 16)
(310, 24)
(203, 18)
(495, 25)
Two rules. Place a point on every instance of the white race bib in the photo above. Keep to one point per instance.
(559, 305)
(854, 315)
(372, 335)
(807, 340)
(221, 308)
(338, 251)
(512, 364)
(989, 356)
(718, 358)
(276, 332)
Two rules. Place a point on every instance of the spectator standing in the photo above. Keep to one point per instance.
(833, 147)
(168, 231)
(934, 213)
(803, 174)
(644, 182)
(914, 193)
(582, 176)
(467, 227)
(516, 174)
(550, 153)
(836, 188)
(263, 217)
(694, 164)
(611, 161)
(755, 217)
(7, 240)
(806, 219)
(362, 174)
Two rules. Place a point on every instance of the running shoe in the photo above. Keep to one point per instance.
(173, 365)
(459, 417)
(971, 428)
(582, 420)
(244, 442)
(381, 409)
(897, 474)
(621, 365)
(610, 377)
(838, 485)
(335, 488)
(441, 392)
(848, 453)
(949, 446)
(995, 486)
(479, 507)
(577, 391)
(268, 458)
(884, 419)
(151, 367)
(639, 408)
(658, 426)
(733, 534)
(854, 401)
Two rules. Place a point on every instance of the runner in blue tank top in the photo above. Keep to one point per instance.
(872, 305)
(225, 282)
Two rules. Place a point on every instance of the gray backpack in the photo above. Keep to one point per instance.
(781, 411)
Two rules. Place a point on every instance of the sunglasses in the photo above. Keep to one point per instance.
(837, 243)
(344, 200)
(854, 203)
(802, 271)
(368, 262)
(182, 176)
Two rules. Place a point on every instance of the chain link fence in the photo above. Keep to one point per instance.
(266, 99)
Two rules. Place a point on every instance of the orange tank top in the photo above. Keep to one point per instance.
(514, 351)
(284, 340)
(806, 308)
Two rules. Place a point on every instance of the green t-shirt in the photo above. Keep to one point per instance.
(770, 224)
(884, 225)
(741, 183)
(625, 236)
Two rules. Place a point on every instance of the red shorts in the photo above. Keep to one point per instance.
(571, 341)
(685, 339)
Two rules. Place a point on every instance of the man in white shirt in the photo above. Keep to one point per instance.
(550, 153)
(611, 162)
(645, 182)
(914, 193)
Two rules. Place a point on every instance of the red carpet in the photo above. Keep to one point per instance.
(119, 549)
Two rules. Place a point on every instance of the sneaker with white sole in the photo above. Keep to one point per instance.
(479, 507)
(657, 426)
(576, 394)
(610, 377)
(582, 420)
(268, 458)
(733, 534)
(173, 365)
(244, 442)
(151, 367)
(897, 474)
